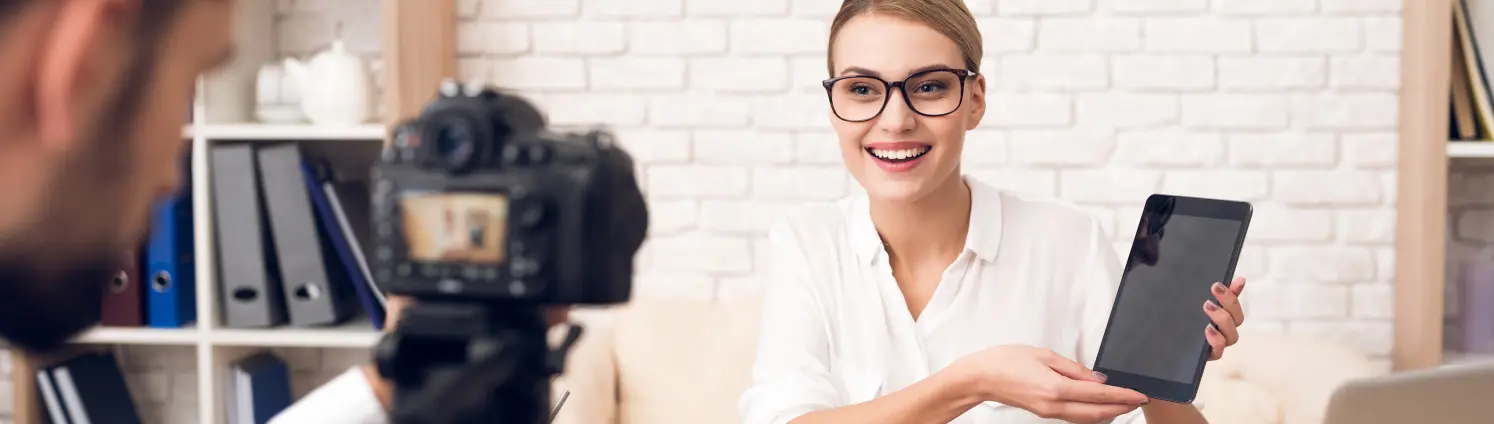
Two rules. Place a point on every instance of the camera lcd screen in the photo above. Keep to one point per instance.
(455, 227)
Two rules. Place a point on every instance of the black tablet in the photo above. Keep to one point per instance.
(1154, 343)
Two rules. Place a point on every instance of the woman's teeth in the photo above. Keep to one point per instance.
(899, 154)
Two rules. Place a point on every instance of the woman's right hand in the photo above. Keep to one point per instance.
(1045, 383)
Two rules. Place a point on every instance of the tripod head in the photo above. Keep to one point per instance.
(460, 363)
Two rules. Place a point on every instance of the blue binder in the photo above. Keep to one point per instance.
(171, 301)
(261, 389)
(331, 220)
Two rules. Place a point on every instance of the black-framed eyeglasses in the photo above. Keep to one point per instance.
(935, 92)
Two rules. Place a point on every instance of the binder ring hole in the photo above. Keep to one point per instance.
(161, 282)
(245, 294)
(308, 291)
(120, 282)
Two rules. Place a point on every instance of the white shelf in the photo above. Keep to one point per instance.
(141, 336)
(1470, 149)
(253, 131)
(1454, 358)
(356, 333)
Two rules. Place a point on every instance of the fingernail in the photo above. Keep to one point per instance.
(1209, 306)
(1144, 402)
(1101, 376)
(1218, 288)
(1212, 329)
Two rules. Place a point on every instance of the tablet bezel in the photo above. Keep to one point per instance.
(1152, 387)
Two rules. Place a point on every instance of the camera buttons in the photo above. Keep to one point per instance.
(517, 288)
(512, 154)
(403, 270)
(531, 215)
(524, 267)
(537, 154)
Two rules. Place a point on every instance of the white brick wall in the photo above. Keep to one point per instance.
(1290, 104)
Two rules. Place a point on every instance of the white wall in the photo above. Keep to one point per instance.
(1290, 104)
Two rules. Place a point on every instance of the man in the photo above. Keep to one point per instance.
(93, 96)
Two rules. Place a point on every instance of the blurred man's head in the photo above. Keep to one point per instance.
(93, 96)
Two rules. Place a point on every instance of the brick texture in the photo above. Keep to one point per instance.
(1290, 104)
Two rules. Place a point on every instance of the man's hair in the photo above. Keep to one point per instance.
(154, 14)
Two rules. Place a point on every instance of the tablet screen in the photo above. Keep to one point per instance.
(1157, 329)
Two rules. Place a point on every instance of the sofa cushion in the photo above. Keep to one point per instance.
(1300, 372)
(684, 361)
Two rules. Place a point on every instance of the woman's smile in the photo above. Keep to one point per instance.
(895, 157)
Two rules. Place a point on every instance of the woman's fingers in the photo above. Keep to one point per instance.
(1216, 342)
(1224, 323)
(1080, 412)
(1230, 302)
(1092, 392)
(1069, 368)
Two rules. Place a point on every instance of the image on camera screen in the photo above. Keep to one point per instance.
(455, 227)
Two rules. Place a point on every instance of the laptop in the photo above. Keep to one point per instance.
(1449, 395)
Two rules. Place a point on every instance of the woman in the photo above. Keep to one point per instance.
(936, 298)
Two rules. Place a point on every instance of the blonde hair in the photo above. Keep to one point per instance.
(949, 17)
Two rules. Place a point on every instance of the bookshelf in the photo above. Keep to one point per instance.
(419, 38)
(1426, 153)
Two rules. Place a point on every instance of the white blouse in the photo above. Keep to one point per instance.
(836, 330)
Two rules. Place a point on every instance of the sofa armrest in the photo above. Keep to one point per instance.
(590, 375)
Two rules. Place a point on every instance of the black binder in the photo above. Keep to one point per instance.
(92, 390)
(314, 296)
(248, 275)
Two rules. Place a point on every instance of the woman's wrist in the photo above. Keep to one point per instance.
(381, 387)
(960, 387)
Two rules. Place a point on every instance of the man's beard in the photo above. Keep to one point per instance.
(42, 309)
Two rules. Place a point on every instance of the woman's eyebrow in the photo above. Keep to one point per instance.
(857, 70)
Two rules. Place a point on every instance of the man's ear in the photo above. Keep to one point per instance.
(80, 59)
(977, 102)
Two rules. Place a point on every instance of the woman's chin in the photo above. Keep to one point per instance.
(884, 189)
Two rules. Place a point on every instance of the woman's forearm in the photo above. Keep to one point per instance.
(940, 398)
(1172, 413)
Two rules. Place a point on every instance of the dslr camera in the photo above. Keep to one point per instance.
(486, 218)
(477, 200)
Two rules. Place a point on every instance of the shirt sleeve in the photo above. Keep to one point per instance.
(791, 374)
(1099, 281)
(347, 399)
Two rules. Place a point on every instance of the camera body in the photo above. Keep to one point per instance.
(476, 200)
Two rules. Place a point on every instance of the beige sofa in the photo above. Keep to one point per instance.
(666, 361)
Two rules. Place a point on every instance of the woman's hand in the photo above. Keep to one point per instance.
(1226, 317)
(1045, 383)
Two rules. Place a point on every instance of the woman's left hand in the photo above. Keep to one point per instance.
(1227, 316)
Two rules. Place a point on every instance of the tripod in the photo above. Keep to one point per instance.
(459, 363)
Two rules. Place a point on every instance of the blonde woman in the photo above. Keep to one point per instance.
(936, 298)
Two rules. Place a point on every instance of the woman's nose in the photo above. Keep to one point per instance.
(897, 117)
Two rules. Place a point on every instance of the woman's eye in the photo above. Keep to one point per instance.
(861, 90)
(930, 87)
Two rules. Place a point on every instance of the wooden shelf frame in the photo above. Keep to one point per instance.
(419, 51)
(1425, 156)
(1421, 183)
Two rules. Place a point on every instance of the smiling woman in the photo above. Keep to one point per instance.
(934, 297)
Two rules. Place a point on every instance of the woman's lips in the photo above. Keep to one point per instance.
(895, 157)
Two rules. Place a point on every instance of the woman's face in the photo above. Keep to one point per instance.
(901, 154)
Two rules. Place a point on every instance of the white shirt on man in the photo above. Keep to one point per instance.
(836, 329)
